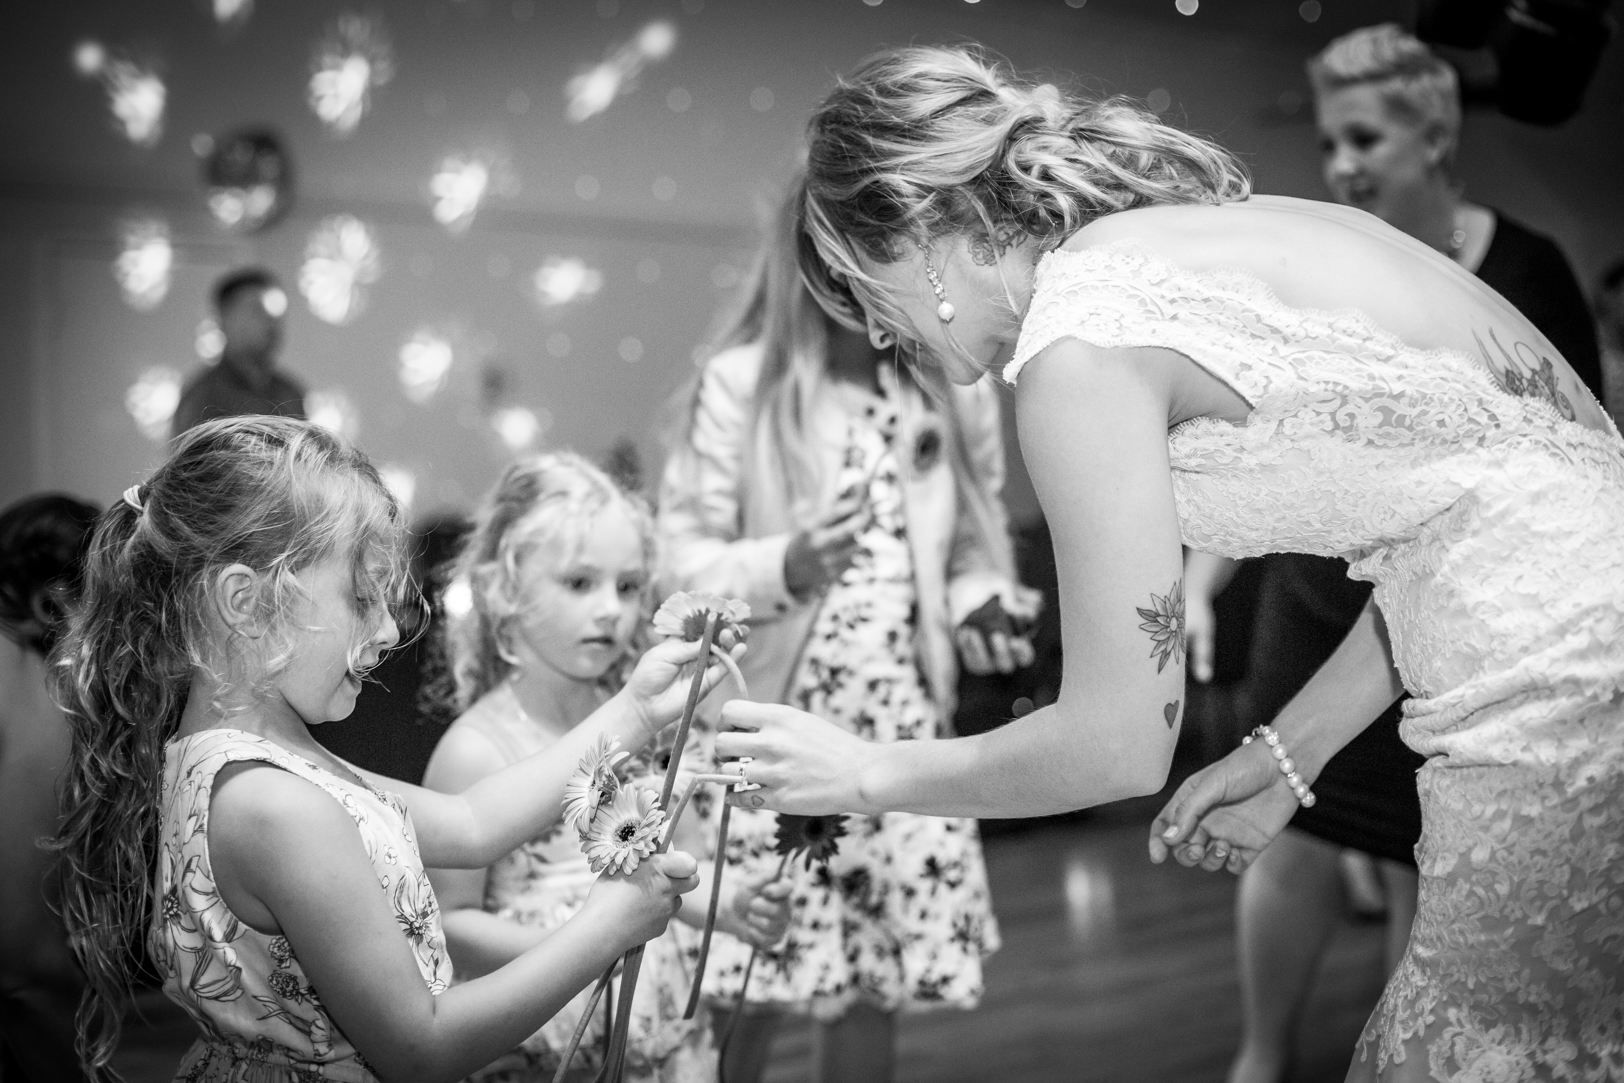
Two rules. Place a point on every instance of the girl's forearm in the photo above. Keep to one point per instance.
(481, 942)
(475, 1022)
(520, 802)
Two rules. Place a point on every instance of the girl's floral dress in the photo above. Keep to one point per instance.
(261, 1020)
(543, 883)
(900, 918)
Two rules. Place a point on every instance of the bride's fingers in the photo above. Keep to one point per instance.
(1198, 795)
(1239, 861)
(1217, 856)
(1190, 852)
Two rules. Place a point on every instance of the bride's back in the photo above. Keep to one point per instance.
(1325, 257)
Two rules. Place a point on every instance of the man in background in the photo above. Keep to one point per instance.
(249, 305)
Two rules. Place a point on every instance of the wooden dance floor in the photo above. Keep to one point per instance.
(1112, 969)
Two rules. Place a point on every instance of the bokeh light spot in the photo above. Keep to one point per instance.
(678, 100)
(341, 260)
(664, 188)
(425, 362)
(352, 58)
(631, 350)
(1310, 11)
(1187, 7)
(332, 410)
(563, 279)
(145, 260)
(1159, 100)
(593, 90)
(761, 99)
(457, 189)
(587, 187)
(152, 399)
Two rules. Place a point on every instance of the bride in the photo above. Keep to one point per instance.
(1249, 375)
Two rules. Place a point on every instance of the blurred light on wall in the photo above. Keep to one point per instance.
(210, 342)
(351, 58)
(519, 426)
(332, 410)
(152, 399)
(631, 350)
(144, 262)
(1187, 7)
(400, 482)
(135, 93)
(458, 598)
(341, 260)
(1159, 100)
(425, 361)
(232, 11)
(457, 188)
(563, 279)
(593, 90)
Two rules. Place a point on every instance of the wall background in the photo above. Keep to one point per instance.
(489, 76)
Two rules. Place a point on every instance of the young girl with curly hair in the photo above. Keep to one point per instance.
(558, 573)
(236, 598)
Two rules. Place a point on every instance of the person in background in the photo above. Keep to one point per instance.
(1610, 322)
(1389, 118)
(859, 516)
(42, 547)
(249, 305)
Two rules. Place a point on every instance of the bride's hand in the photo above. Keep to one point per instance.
(1225, 814)
(802, 764)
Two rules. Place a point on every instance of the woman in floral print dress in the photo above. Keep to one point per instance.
(231, 601)
(818, 482)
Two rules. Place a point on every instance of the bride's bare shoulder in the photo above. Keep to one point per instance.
(1246, 234)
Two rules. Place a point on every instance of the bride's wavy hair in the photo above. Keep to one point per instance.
(272, 493)
(932, 141)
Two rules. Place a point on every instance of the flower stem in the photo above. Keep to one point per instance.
(671, 821)
(733, 668)
(580, 1028)
(694, 689)
(615, 1066)
(710, 913)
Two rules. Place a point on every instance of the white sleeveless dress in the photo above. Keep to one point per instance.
(261, 1020)
(1493, 529)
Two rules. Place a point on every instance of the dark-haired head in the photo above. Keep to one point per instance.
(43, 541)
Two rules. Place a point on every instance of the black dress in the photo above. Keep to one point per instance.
(1365, 796)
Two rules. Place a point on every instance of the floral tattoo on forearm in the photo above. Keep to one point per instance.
(1164, 620)
(1524, 373)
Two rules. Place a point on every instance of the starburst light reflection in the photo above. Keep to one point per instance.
(458, 188)
(351, 59)
(333, 411)
(135, 93)
(425, 360)
(563, 279)
(144, 262)
(593, 90)
(519, 426)
(341, 260)
(152, 399)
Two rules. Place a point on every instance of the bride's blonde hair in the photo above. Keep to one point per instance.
(932, 141)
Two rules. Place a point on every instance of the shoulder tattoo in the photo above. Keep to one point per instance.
(1524, 373)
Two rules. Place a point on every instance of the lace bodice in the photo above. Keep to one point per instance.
(1493, 529)
(1461, 501)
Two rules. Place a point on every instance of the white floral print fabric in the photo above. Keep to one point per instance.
(1491, 526)
(261, 1020)
(901, 917)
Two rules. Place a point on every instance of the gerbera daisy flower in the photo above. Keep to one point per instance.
(817, 836)
(624, 832)
(593, 784)
(684, 614)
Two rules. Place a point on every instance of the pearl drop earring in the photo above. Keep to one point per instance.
(944, 310)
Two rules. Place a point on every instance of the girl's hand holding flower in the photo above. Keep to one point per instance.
(658, 687)
(638, 905)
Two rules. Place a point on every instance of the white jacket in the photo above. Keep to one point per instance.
(715, 538)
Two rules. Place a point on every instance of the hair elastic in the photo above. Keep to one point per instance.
(132, 497)
(944, 310)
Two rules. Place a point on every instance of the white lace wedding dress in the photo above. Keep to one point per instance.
(1493, 528)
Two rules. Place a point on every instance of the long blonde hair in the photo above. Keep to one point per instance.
(779, 312)
(933, 141)
(273, 493)
(549, 499)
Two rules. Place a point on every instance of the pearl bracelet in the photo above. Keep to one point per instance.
(1305, 796)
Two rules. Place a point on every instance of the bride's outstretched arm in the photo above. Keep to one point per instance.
(1224, 815)
(1094, 432)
